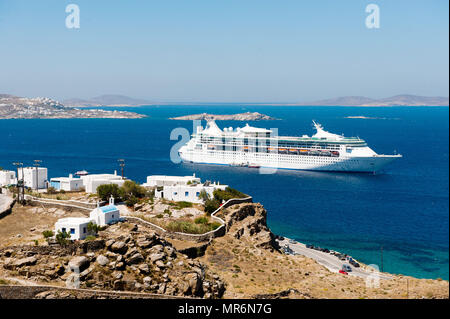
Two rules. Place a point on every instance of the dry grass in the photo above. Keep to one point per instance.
(249, 271)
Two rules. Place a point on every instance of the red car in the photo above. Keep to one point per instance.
(343, 272)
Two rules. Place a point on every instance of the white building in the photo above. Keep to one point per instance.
(188, 193)
(68, 184)
(33, 175)
(91, 182)
(163, 180)
(7, 178)
(77, 227)
(105, 215)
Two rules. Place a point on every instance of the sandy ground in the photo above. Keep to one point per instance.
(26, 224)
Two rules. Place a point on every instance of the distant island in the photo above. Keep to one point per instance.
(248, 116)
(397, 100)
(14, 107)
(115, 100)
(106, 100)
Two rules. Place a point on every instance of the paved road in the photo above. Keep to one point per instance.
(331, 262)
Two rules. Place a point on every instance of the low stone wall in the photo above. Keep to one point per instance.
(68, 204)
(220, 231)
(30, 292)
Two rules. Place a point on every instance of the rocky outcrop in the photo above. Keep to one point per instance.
(249, 220)
(248, 116)
(122, 260)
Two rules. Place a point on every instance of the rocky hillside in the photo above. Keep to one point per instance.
(247, 258)
(106, 100)
(397, 100)
(125, 257)
(14, 107)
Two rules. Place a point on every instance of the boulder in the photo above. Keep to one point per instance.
(28, 261)
(119, 247)
(155, 257)
(144, 269)
(120, 266)
(102, 260)
(135, 259)
(160, 264)
(78, 264)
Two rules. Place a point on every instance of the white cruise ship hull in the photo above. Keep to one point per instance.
(369, 164)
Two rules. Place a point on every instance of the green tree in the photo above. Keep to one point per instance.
(105, 191)
(62, 238)
(132, 189)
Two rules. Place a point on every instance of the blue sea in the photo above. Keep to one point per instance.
(404, 210)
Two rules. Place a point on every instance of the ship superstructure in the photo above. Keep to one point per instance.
(259, 147)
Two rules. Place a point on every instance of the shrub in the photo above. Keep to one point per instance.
(132, 189)
(47, 234)
(201, 220)
(186, 226)
(131, 201)
(211, 205)
(93, 228)
(61, 238)
(105, 191)
(181, 205)
(51, 190)
(90, 238)
(228, 193)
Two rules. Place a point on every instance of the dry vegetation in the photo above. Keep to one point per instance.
(249, 271)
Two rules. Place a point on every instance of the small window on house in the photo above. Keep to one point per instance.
(112, 216)
(84, 230)
(197, 194)
(186, 194)
(63, 230)
(175, 193)
(72, 231)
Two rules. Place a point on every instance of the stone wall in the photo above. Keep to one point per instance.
(7, 206)
(220, 231)
(67, 204)
(43, 292)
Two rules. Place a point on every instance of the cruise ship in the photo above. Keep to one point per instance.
(258, 147)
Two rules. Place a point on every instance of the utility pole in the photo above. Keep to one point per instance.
(407, 288)
(19, 184)
(37, 164)
(381, 258)
(122, 164)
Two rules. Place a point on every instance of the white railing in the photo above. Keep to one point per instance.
(228, 203)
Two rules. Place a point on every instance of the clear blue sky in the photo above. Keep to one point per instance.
(224, 50)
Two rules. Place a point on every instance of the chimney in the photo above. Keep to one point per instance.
(115, 172)
(70, 176)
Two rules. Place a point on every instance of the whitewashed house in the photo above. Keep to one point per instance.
(92, 181)
(163, 180)
(105, 215)
(77, 227)
(68, 184)
(188, 193)
(7, 178)
(34, 177)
